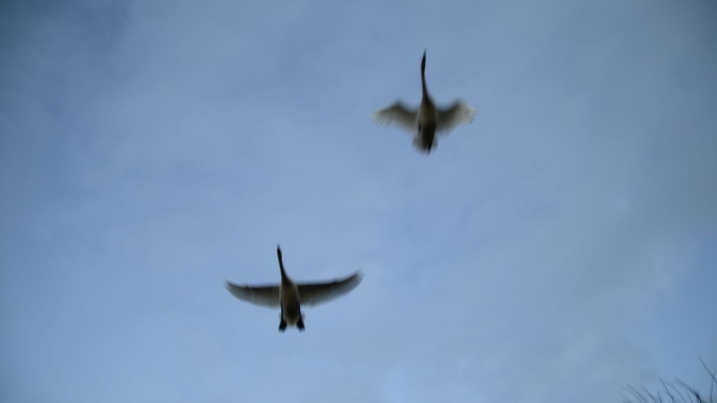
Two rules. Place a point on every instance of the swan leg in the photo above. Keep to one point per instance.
(282, 324)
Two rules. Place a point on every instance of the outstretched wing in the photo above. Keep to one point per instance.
(456, 114)
(318, 293)
(399, 113)
(267, 295)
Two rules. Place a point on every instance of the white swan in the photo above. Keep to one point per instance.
(428, 118)
(289, 296)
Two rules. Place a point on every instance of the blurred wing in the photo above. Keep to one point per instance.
(318, 293)
(260, 295)
(397, 113)
(456, 114)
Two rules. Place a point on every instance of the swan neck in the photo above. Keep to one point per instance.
(284, 277)
(423, 76)
(423, 84)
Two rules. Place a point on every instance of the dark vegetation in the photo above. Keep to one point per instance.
(671, 392)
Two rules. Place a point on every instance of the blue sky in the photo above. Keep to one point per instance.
(557, 249)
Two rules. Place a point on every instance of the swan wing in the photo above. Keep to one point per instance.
(318, 293)
(399, 113)
(264, 295)
(458, 113)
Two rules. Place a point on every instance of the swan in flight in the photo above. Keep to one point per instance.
(290, 296)
(428, 119)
